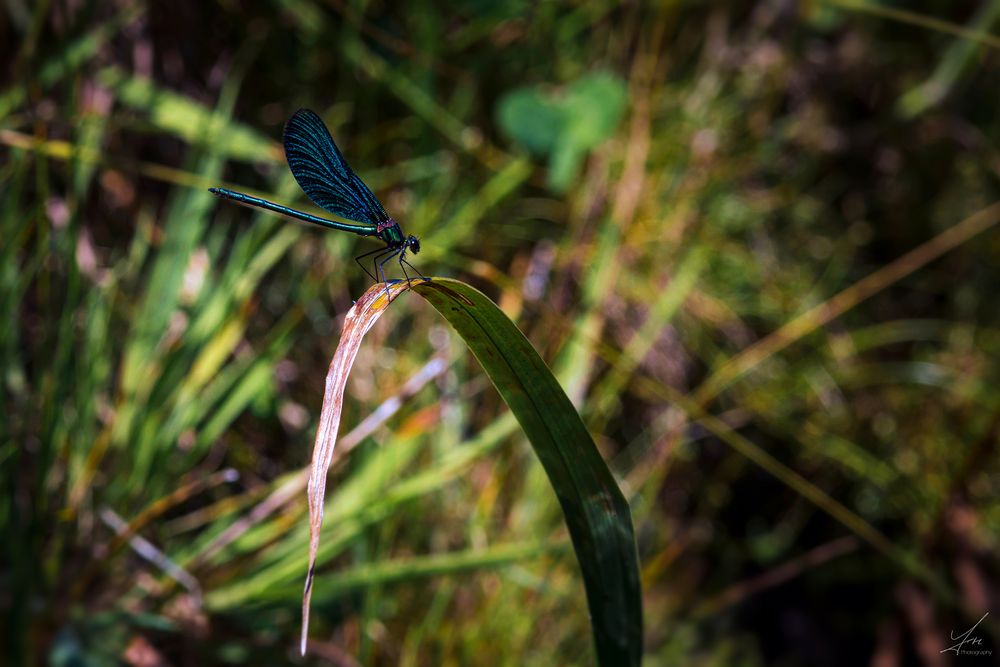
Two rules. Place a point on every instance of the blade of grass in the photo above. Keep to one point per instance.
(405, 569)
(359, 320)
(595, 510)
(669, 301)
(468, 138)
(917, 19)
(955, 60)
(292, 486)
(75, 54)
(909, 561)
(195, 123)
(837, 305)
(462, 224)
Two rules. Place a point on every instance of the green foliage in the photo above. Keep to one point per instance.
(803, 425)
(596, 513)
(564, 125)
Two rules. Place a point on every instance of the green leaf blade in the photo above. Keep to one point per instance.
(595, 510)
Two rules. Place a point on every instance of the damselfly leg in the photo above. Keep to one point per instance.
(377, 251)
(402, 261)
(381, 265)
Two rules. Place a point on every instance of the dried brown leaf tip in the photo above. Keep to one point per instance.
(360, 319)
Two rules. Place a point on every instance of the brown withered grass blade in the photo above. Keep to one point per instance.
(360, 319)
(597, 514)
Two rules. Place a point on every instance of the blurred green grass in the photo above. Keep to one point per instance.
(768, 158)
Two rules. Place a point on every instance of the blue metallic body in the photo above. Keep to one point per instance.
(324, 175)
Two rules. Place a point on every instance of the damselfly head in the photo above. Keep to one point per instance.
(413, 243)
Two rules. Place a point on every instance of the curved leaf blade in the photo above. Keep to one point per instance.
(360, 319)
(596, 512)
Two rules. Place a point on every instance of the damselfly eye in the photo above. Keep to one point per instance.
(414, 244)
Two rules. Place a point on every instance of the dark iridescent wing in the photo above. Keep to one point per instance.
(323, 173)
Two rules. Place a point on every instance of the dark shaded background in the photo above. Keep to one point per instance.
(650, 190)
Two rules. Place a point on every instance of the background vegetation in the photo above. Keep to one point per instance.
(753, 240)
